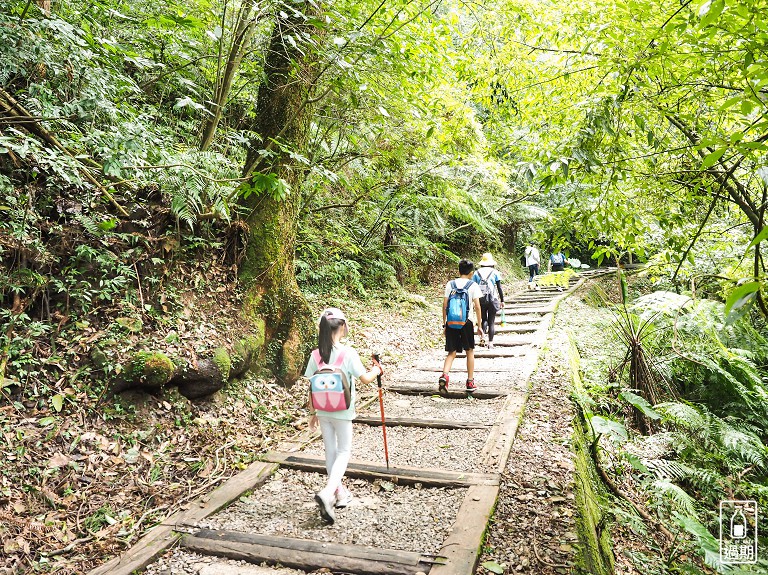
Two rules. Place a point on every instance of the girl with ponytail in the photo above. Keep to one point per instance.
(336, 426)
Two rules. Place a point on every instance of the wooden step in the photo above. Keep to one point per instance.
(419, 388)
(425, 423)
(483, 353)
(516, 329)
(514, 345)
(513, 319)
(307, 555)
(484, 367)
(400, 475)
(526, 310)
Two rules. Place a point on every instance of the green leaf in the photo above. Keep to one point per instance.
(640, 403)
(58, 402)
(763, 235)
(613, 429)
(741, 296)
(635, 462)
(712, 158)
(494, 567)
(46, 421)
(710, 11)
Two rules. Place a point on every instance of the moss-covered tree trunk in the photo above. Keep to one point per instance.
(283, 116)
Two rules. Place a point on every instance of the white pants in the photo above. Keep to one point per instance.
(337, 438)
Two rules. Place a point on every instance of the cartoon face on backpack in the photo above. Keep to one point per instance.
(328, 387)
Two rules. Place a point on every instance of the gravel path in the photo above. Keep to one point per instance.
(436, 407)
(451, 449)
(381, 514)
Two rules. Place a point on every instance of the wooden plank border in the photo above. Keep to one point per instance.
(162, 536)
(298, 559)
(375, 421)
(401, 475)
(420, 388)
(321, 547)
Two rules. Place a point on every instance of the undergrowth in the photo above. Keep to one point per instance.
(699, 439)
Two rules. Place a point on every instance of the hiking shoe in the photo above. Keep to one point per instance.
(471, 387)
(326, 508)
(442, 384)
(343, 497)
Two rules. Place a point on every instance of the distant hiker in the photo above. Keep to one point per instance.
(461, 295)
(492, 298)
(532, 260)
(557, 261)
(332, 368)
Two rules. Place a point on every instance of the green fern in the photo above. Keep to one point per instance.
(666, 490)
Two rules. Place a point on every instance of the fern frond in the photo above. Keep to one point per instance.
(667, 490)
(746, 446)
(89, 224)
(682, 415)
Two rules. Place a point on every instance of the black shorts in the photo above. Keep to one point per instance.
(558, 267)
(460, 339)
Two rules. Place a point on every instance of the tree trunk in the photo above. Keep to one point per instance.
(267, 272)
(241, 42)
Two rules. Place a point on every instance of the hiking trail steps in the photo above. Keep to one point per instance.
(462, 445)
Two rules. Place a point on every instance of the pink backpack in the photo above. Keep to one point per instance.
(328, 387)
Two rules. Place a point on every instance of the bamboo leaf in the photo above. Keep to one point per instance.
(712, 158)
(763, 235)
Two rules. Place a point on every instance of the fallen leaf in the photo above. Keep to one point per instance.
(494, 567)
(58, 460)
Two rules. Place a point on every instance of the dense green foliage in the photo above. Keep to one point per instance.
(106, 182)
(697, 434)
(134, 151)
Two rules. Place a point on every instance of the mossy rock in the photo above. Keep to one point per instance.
(150, 370)
(223, 362)
(244, 354)
(207, 377)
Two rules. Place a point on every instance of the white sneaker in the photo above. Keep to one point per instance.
(490, 345)
(326, 507)
(343, 497)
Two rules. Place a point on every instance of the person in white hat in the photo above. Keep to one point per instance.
(336, 424)
(533, 261)
(492, 300)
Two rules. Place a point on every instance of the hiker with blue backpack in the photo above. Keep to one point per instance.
(492, 299)
(331, 370)
(557, 261)
(461, 295)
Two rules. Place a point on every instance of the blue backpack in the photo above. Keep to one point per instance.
(457, 312)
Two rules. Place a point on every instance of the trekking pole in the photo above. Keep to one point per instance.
(377, 361)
